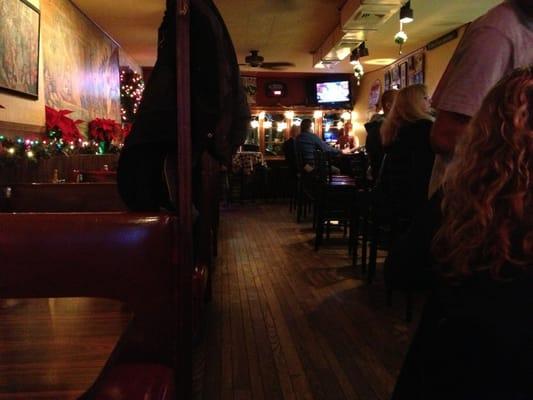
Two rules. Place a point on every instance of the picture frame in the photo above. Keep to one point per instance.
(386, 81)
(395, 77)
(19, 53)
(403, 74)
(418, 67)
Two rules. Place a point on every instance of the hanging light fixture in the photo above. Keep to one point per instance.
(406, 13)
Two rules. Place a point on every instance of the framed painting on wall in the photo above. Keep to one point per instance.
(80, 64)
(249, 84)
(19, 47)
(374, 95)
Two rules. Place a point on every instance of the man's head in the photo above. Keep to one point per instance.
(387, 99)
(306, 124)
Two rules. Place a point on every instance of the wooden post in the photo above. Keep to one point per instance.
(183, 245)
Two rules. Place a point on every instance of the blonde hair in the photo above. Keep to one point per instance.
(407, 107)
(488, 195)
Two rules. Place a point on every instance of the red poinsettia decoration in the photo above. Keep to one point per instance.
(58, 120)
(106, 130)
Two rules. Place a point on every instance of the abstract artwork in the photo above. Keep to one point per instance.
(19, 47)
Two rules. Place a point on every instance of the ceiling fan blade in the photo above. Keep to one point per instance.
(277, 65)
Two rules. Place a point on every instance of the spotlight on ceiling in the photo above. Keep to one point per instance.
(406, 13)
(354, 56)
(363, 51)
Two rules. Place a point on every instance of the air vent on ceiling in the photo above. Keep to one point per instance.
(367, 15)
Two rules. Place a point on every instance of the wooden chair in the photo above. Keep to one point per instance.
(390, 210)
(334, 197)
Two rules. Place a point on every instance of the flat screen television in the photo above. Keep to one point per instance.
(332, 92)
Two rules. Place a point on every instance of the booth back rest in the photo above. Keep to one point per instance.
(112, 255)
(60, 197)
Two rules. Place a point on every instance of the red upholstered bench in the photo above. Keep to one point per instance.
(124, 256)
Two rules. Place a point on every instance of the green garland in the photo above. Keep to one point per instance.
(15, 150)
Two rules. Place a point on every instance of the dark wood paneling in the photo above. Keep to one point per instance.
(14, 130)
(25, 171)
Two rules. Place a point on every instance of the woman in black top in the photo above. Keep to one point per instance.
(475, 339)
(409, 158)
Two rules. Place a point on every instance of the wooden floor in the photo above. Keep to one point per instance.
(286, 322)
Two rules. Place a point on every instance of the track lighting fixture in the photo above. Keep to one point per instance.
(354, 56)
(363, 51)
(406, 13)
(357, 53)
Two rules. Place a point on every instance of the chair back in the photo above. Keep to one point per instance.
(250, 147)
(323, 166)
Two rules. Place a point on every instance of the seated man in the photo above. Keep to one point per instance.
(306, 144)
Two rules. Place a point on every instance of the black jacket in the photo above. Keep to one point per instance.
(219, 111)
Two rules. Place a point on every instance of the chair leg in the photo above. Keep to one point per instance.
(299, 205)
(408, 307)
(319, 230)
(354, 238)
(373, 251)
(364, 245)
(389, 297)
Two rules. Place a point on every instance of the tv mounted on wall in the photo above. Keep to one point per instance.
(333, 92)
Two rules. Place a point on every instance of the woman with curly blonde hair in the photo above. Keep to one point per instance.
(475, 338)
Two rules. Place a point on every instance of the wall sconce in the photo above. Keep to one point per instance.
(406, 13)
(254, 124)
(340, 125)
(346, 116)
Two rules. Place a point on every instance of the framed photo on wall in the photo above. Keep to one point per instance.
(403, 75)
(417, 75)
(395, 77)
(386, 81)
(19, 49)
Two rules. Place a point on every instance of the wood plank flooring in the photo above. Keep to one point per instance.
(287, 322)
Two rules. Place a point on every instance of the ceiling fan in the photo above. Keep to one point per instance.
(256, 61)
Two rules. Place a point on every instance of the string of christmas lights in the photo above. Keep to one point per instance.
(131, 92)
(12, 150)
